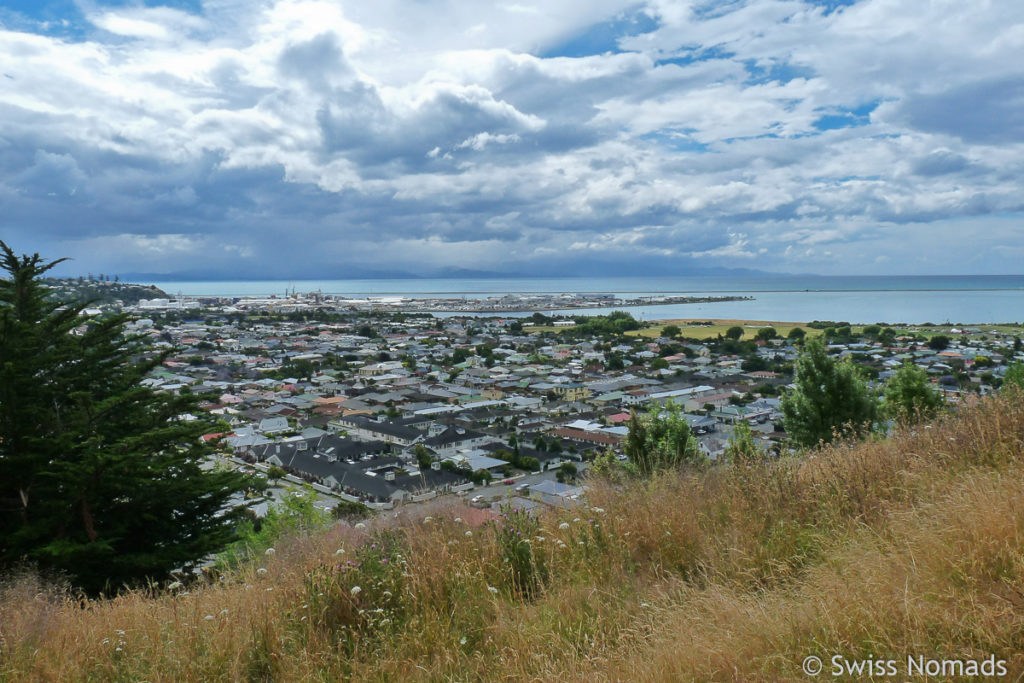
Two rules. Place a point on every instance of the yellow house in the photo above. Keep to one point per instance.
(572, 392)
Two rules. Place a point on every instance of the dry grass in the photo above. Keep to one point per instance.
(914, 545)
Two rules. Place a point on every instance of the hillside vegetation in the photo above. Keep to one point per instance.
(904, 547)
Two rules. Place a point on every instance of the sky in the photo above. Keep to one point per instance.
(223, 139)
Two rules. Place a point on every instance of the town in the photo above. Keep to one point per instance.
(385, 408)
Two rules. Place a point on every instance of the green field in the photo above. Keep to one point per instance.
(718, 327)
(690, 328)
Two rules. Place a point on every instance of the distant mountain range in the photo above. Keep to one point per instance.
(604, 270)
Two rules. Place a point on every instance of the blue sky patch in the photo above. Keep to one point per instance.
(847, 118)
(604, 37)
(678, 140)
(782, 72)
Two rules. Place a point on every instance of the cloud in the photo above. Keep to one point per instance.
(289, 135)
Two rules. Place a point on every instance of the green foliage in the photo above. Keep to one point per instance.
(524, 572)
(671, 331)
(605, 465)
(365, 597)
(734, 333)
(423, 456)
(908, 395)
(660, 439)
(766, 333)
(741, 448)
(100, 477)
(275, 472)
(351, 510)
(567, 471)
(829, 398)
(797, 334)
(529, 463)
(615, 323)
(295, 513)
(1014, 376)
(939, 342)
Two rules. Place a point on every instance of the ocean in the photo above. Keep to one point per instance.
(908, 299)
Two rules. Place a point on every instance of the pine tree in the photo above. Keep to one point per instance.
(100, 477)
(829, 398)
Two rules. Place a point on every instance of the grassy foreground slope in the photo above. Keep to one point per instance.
(909, 546)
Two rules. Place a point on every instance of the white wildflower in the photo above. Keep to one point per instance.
(462, 640)
(563, 525)
(428, 519)
(261, 571)
(119, 632)
(457, 519)
(269, 551)
(360, 527)
(575, 519)
(387, 594)
(492, 589)
(469, 533)
(339, 551)
(223, 612)
(175, 586)
(208, 617)
(597, 510)
(356, 590)
(270, 589)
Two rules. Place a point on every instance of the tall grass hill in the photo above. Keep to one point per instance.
(911, 546)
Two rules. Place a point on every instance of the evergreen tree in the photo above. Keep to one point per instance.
(661, 438)
(908, 397)
(100, 477)
(829, 398)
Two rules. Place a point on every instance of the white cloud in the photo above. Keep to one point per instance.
(443, 126)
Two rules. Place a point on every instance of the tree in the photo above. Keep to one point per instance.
(566, 472)
(796, 335)
(100, 477)
(1014, 377)
(423, 456)
(671, 331)
(829, 397)
(939, 342)
(741, 448)
(660, 439)
(909, 397)
(766, 333)
(734, 333)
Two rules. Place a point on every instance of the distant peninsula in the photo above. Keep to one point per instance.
(101, 291)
